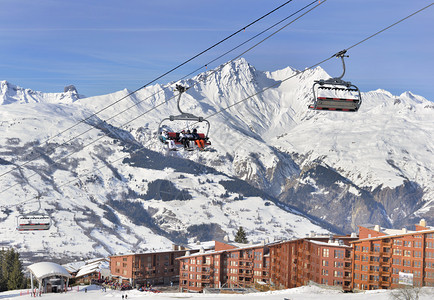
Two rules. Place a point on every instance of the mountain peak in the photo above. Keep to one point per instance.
(10, 93)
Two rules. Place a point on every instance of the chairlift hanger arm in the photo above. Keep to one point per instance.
(181, 89)
(341, 54)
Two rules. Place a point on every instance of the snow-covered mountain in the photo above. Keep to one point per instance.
(10, 93)
(115, 189)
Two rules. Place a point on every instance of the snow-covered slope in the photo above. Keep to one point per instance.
(340, 169)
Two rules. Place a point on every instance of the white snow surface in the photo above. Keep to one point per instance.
(388, 141)
(301, 293)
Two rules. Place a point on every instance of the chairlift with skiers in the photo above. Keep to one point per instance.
(186, 137)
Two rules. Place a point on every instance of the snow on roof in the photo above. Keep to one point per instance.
(205, 245)
(334, 243)
(47, 269)
(74, 266)
(95, 266)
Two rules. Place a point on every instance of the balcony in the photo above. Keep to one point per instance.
(246, 258)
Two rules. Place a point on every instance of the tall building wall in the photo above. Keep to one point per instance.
(383, 262)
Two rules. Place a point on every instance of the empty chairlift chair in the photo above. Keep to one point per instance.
(34, 220)
(335, 94)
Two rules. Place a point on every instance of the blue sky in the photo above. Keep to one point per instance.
(102, 46)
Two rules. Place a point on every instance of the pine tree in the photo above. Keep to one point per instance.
(11, 270)
(241, 237)
(3, 271)
(16, 276)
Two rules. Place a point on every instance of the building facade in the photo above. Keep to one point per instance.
(385, 259)
(321, 260)
(229, 265)
(147, 268)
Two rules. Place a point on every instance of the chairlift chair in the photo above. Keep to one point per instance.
(30, 222)
(183, 116)
(335, 94)
(34, 220)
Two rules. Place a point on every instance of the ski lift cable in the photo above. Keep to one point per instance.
(317, 64)
(157, 78)
(250, 39)
(236, 103)
(141, 115)
(158, 105)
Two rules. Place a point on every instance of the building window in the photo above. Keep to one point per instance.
(365, 249)
(338, 274)
(397, 242)
(339, 254)
(375, 258)
(397, 252)
(407, 243)
(325, 263)
(407, 253)
(375, 268)
(324, 272)
(339, 264)
(417, 244)
(325, 252)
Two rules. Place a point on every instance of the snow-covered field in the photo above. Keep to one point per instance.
(306, 292)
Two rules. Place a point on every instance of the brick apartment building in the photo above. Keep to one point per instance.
(229, 265)
(151, 267)
(323, 260)
(384, 258)
(377, 259)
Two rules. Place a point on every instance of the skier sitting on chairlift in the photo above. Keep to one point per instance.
(199, 142)
(170, 143)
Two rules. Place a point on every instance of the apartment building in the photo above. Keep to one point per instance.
(324, 260)
(229, 265)
(388, 258)
(161, 267)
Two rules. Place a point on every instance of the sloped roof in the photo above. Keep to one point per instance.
(95, 266)
(47, 269)
(74, 266)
